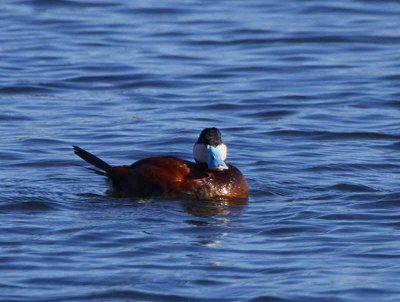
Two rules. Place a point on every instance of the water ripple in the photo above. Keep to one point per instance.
(27, 206)
(326, 135)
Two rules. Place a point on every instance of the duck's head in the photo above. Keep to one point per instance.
(209, 149)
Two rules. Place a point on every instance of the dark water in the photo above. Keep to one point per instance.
(307, 96)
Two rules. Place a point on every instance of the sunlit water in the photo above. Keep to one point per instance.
(307, 96)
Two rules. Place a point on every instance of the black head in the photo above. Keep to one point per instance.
(210, 136)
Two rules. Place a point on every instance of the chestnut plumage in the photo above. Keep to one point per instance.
(170, 177)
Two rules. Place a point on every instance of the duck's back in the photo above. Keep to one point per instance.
(149, 177)
(171, 177)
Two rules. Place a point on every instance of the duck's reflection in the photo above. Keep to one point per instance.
(214, 220)
(213, 208)
(199, 208)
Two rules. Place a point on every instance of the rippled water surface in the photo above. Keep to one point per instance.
(307, 96)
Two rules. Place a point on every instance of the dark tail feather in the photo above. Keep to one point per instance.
(92, 159)
(98, 172)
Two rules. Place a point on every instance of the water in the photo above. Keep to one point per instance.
(307, 96)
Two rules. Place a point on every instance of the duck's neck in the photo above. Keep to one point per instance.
(201, 166)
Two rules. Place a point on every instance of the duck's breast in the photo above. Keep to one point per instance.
(226, 184)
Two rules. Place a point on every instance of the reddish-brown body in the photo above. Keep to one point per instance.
(210, 178)
(171, 177)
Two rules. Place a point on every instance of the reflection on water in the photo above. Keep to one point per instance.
(213, 208)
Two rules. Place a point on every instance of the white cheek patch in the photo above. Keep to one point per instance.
(224, 150)
(200, 153)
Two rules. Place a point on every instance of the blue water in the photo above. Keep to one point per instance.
(306, 94)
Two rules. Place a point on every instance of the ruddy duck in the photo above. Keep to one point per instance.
(209, 178)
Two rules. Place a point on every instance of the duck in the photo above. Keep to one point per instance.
(209, 177)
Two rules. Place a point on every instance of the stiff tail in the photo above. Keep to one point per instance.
(94, 160)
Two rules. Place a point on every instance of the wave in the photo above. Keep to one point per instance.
(328, 135)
